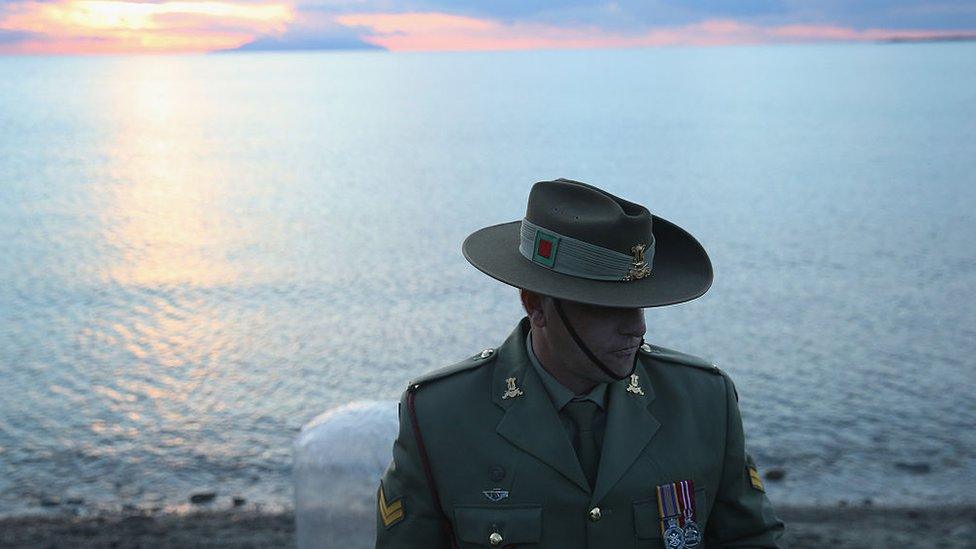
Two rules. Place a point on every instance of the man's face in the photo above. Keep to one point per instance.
(612, 334)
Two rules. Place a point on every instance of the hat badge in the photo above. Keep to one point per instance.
(638, 268)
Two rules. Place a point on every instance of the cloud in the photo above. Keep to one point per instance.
(15, 37)
(442, 31)
(110, 26)
(959, 15)
(116, 26)
(646, 14)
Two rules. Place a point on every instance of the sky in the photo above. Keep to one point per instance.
(201, 26)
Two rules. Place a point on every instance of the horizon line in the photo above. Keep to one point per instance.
(375, 48)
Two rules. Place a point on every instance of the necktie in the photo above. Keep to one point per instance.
(582, 412)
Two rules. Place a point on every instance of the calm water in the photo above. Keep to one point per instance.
(199, 254)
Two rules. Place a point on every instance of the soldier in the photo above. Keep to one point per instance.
(575, 432)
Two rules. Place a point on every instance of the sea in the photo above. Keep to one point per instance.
(201, 253)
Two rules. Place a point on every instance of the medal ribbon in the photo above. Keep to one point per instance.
(687, 491)
(667, 505)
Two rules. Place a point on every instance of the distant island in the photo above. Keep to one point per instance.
(947, 38)
(303, 44)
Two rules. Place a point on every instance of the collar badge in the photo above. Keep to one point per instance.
(512, 391)
(634, 387)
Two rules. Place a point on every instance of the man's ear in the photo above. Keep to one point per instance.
(534, 307)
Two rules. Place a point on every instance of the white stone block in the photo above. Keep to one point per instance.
(339, 457)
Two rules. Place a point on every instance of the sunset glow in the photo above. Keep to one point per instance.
(108, 26)
(112, 26)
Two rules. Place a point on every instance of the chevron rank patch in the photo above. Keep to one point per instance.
(754, 478)
(391, 512)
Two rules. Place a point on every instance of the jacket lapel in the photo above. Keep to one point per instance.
(630, 426)
(530, 422)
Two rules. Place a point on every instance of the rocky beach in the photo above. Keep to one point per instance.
(863, 526)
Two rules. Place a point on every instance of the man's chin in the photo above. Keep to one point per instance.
(620, 368)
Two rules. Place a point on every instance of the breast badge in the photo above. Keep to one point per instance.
(676, 511)
(496, 494)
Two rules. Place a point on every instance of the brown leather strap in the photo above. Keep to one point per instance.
(445, 523)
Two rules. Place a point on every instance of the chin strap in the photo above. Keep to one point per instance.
(586, 350)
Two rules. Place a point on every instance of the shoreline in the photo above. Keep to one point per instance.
(807, 526)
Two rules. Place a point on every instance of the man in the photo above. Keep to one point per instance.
(575, 432)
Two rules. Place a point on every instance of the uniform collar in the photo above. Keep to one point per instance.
(558, 393)
(529, 416)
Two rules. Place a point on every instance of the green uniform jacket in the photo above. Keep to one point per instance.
(503, 464)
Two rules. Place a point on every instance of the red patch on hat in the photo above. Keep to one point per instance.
(545, 248)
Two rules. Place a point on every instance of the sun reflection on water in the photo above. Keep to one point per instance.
(164, 214)
(171, 241)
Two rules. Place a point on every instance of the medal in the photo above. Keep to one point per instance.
(676, 511)
(674, 537)
(692, 536)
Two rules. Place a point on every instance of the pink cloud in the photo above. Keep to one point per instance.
(120, 26)
(432, 31)
(128, 26)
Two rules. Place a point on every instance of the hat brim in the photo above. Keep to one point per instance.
(681, 270)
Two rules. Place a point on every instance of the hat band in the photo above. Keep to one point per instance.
(570, 256)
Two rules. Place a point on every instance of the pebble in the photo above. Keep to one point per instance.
(917, 468)
(50, 501)
(775, 474)
(202, 497)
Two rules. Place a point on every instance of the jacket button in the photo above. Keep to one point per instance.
(496, 473)
(595, 514)
(495, 539)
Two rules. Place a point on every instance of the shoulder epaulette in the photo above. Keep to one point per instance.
(677, 357)
(482, 357)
